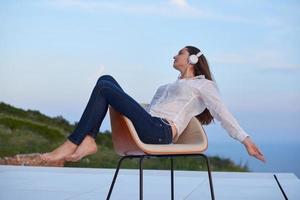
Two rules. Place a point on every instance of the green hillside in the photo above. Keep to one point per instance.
(33, 132)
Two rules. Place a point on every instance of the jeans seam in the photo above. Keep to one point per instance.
(87, 123)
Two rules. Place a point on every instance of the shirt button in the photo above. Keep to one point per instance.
(159, 139)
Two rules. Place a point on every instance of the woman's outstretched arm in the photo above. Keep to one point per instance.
(211, 98)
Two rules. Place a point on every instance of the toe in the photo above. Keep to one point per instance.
(44, 156)
(68, 158)
(72, 157)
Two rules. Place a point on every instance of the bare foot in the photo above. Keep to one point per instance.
(60, 152)
(87, 147)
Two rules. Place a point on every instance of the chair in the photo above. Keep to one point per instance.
(192, 142)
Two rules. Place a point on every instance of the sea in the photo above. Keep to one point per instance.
(282, 155)
(280, 158)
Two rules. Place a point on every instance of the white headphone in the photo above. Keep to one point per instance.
(193, 59)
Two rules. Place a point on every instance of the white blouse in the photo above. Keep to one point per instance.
(185, 98)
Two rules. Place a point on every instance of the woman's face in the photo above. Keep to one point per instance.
(181, 60)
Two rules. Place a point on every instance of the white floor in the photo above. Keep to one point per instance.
(49, 183)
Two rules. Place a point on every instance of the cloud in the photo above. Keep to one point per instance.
(264, 59)
(157, 8)
(171, 8)
(183, 10)
(95, 73)
(179, 3)
(264, 101)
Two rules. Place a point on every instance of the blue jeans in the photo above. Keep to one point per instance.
(107, 91)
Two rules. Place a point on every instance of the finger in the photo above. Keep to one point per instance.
(260, 157)
(260, 152)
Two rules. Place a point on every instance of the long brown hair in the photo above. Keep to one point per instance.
(202, 68)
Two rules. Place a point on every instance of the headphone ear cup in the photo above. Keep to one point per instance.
(193, 59)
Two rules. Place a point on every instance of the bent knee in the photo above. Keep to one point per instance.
(104, 85)
(105, 77)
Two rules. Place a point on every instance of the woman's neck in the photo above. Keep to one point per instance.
(187, 74)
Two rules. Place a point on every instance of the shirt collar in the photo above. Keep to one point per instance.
(195, 77)
(199, 76)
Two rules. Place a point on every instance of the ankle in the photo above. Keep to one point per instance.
(70, 143)
(89, 137)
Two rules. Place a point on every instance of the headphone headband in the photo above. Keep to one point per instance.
(199, 54)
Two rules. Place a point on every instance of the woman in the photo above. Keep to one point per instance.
(194, 93)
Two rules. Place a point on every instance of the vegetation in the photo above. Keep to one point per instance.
(33, 132)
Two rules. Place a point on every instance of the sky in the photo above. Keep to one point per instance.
(52, 52)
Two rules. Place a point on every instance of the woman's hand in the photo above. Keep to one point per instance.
(253, 149)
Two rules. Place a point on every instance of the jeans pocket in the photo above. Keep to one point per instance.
(157, 122)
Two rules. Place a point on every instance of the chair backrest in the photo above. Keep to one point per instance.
(193, 133)
(125, 139)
